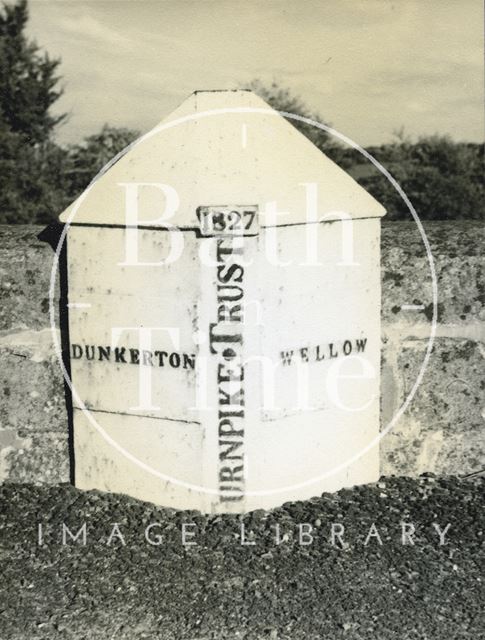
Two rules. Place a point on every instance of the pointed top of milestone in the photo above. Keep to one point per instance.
(222, 147)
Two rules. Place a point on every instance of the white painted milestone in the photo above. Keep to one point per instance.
(224, 315)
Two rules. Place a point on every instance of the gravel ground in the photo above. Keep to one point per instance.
(221, 589)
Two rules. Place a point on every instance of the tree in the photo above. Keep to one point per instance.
(31, 187)
(442, 178)
(30, 162)
(282, 99)
(28, 84)
(85, 160)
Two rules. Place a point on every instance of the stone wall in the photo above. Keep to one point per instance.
(441, 430)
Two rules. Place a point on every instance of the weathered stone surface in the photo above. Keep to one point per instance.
(440, 432)
(257, 443)
(442, 429)
(457, 250)
(25, 265)
(25, 269)
(32, 386)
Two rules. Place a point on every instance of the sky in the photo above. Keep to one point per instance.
(367, 67)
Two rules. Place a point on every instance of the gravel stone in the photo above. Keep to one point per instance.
(219, 589)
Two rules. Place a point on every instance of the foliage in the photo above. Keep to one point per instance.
(443, 179)
(30, 188)
(29, 161)
(282, 99)
(85, 160)
(28, 84)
